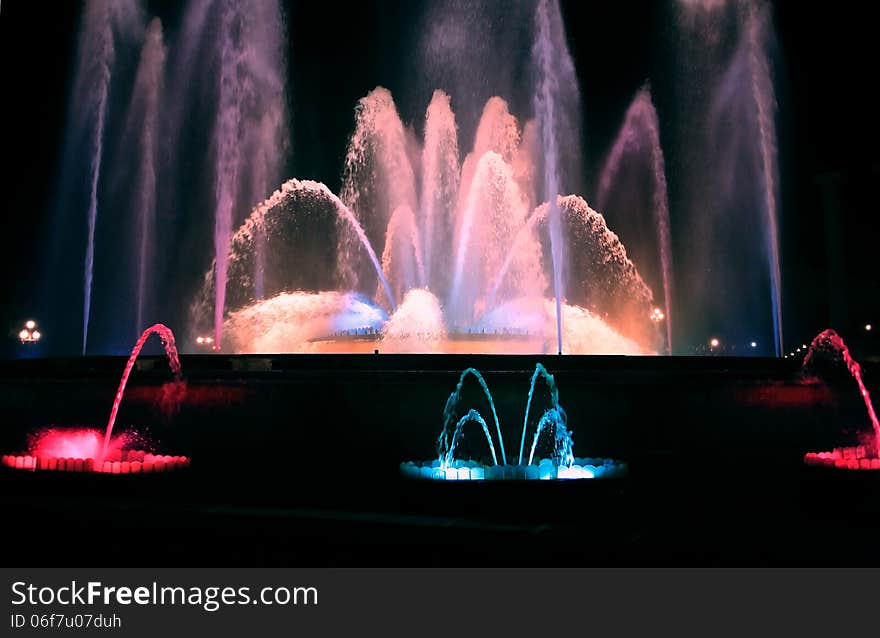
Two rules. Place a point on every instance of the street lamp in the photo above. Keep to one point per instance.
(29, 334)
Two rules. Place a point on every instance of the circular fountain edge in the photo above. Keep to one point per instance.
(581, 469)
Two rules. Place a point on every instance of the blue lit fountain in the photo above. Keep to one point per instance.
(560, 464)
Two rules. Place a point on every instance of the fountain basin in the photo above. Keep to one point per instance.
(844, 458)
(546, 470)
(124, 462)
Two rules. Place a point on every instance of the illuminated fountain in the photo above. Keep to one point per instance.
(433, 248)
(860, 457)
(88, 450)
(464, 266)
(552, 425)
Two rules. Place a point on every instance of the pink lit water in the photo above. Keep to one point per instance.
(173, 361)
(829, 339)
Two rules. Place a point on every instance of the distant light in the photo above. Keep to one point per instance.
(714, 343)
(36, 335)
(657, 315)
(754, 344)
(30, 324)
(207, 342)
(868, 327)
(24, 335)
(804, 346)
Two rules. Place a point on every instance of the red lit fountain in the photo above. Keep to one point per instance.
(86, 450)
(862, 457)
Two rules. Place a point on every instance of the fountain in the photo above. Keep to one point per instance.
(560, 464)
(87, 450)
(473, 201)
(107, 26)
(465, 246)
(728, 160)
(488, 294)
(639, 138)
(142, 124)
(860, 457)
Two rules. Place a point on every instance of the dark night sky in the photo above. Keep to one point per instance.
(824, 67)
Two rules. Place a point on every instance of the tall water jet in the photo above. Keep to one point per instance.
(555, 73)
(167, 338)
(439, 187)
(249, 124)
(498, 132)
(732, 173)
(493, 212)
(640, 134)
(142, 121)
(378, 178)
(757, 26)
(103, 22)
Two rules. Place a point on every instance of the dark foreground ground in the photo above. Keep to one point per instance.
(295, 462)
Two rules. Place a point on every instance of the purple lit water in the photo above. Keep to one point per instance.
(640, 133)
(142, 124)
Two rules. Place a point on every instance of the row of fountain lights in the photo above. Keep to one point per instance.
(30, 334)
(802, 351)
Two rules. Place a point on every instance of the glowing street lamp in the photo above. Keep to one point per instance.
(29, 334)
